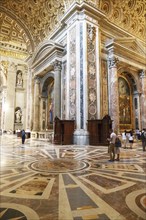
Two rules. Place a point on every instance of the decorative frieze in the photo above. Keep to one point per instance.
(104, 87)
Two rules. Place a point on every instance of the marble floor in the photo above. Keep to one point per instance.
(42, 181)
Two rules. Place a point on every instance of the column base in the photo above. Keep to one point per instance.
(81, 137)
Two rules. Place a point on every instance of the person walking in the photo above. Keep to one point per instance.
(131, 139)
(124, 139)
(23, 136)
(143, 139)
(112, 140)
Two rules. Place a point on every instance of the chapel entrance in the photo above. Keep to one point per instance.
(128, 103)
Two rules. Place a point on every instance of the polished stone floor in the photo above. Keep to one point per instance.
(53, 182)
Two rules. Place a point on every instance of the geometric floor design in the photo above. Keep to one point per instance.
(43, 181)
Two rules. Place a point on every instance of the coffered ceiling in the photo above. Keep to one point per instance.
(26, 23)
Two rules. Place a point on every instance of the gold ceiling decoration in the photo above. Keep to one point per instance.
(29, 22)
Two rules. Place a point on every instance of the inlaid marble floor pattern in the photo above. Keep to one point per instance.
(43, 181)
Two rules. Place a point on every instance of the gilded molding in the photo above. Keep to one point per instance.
(12, 54)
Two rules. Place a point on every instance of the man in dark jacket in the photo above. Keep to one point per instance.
(143, 139)
(23, 136)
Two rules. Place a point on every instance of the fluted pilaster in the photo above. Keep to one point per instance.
(113, 91)
(36, 104)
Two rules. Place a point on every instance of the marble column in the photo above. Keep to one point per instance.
(57, 88)
(142, 75)
(36, 104)
(113, 91)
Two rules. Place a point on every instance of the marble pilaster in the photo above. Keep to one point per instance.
(113, 91)
(57, 88)
(142, 76)
(3, 107)
(36, 104)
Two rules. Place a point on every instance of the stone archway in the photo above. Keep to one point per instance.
(129, 110)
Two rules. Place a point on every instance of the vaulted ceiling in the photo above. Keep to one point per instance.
(26, 23)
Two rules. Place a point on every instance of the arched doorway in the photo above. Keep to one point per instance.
(129, 109)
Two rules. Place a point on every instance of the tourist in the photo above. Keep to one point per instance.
(117, 148)
(143, 139)
(112, 145)
(23, 136)
(124, 139)
(131, 139)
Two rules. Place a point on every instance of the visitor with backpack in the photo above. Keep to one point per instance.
(143, 139)
(117, 148)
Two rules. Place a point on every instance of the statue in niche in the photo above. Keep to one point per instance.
(19, 79)
(124, 102)
(18, 115)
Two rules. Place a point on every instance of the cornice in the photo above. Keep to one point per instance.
(122, 51)
(45, 64)
(49, 51)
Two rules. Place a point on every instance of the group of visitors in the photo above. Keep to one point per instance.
(127, 139)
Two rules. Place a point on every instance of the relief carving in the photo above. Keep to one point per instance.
(91, 68)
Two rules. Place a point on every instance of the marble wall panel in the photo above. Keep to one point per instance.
(91, 68)
(104, 87)
(64, 90)
(72, 74)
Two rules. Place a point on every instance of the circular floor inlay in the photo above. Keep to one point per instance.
(58, 165)
(16, 211)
